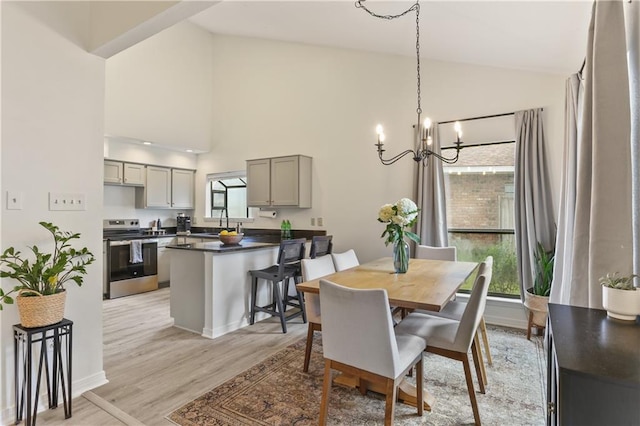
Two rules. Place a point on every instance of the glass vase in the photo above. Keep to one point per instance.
(401, 256)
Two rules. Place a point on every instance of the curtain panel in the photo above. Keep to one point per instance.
(533, 208)
(561, 289)
(602, 239)
(431, 199)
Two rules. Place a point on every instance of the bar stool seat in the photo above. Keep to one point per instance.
(288, 267)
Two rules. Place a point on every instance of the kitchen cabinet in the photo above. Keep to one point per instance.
(113, 172)
(182, 189)
(134, 174)
(167, 188)
(279, 182)
(120, 173)
(593, 375)
(164, 259)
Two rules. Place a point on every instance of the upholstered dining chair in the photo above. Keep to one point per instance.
(321, 245)
(436, 253)
(288, 267)
(358, 339)
(455, 309)
(453, 339)
(311, 270)
(345, 260)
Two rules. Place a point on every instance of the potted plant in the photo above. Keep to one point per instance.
(536, 298)
(40, 293)
(402, 214)
(619, 297)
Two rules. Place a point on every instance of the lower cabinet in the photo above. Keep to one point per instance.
(593, 368)
(164, 260)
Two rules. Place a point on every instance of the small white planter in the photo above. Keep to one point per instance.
(621, 304)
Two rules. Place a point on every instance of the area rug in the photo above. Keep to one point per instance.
(277, 392)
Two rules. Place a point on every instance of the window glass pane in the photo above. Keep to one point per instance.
(480, 211)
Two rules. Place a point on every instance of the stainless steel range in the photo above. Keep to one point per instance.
(132, 258)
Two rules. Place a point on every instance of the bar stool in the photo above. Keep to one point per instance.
(289, 256)
(320, 245)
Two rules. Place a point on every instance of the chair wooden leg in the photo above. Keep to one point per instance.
(254, 294)
(280, 306)
(485, 340)
(307, 350)
(420, 384)
(529, 324)
(390, 403)
(470, 388)
(477, 359)
(326, 389)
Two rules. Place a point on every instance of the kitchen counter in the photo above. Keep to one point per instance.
(218, 247)
(211, 286)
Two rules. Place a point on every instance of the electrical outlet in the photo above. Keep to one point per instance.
(64, 201)
(320, 221)
(313, 221)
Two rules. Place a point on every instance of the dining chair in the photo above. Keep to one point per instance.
(311, 270)
(288, 267)
(436, 253)
(358, 339)
(453, 339)
(321, 245)
(345, 260)
(455, 309)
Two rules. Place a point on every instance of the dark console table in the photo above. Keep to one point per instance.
(52, 346)
(593, 368)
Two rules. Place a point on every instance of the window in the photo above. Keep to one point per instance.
(226, 197)
(480, 210)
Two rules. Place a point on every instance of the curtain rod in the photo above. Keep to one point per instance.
(480, 118)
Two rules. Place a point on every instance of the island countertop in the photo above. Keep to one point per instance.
(218, 247)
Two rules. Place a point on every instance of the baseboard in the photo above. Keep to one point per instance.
(78, 387)
(502, 311)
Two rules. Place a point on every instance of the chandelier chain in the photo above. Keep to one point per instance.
(414, 8)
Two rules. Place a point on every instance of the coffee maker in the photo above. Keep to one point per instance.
(183, 224)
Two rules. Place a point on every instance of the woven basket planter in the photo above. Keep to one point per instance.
(39, 311)
(539, 306)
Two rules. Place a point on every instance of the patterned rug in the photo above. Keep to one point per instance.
(277, 392)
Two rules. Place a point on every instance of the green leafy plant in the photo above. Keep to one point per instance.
(543, 270)
(48, 272)
(619, 282)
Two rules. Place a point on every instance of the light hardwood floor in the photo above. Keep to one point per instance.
(154, 368)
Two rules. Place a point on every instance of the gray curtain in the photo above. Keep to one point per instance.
(431, 200)
(533, 208)
(561, 289)
(602, 240)
(632, 18)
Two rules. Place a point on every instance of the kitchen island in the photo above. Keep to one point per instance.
(211, 286)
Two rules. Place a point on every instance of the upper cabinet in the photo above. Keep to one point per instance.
(167, 188)
(119, 173)
(182, 189)
(279, 182)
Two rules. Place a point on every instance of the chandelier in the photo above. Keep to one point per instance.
(423, 131)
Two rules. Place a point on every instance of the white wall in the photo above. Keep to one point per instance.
(159, 90)
(52, 140)
(275, 98)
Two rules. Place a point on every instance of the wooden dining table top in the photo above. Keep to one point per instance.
(428, 284)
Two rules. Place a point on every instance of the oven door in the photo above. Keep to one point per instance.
(127, 278)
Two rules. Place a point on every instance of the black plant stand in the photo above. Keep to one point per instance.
(57, 375)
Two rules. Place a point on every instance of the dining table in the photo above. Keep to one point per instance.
(427, 284)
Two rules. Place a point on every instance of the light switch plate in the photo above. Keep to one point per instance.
(66, 201)
(320, 221)
(14, 200)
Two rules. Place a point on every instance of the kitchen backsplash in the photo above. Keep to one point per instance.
(119, 203)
